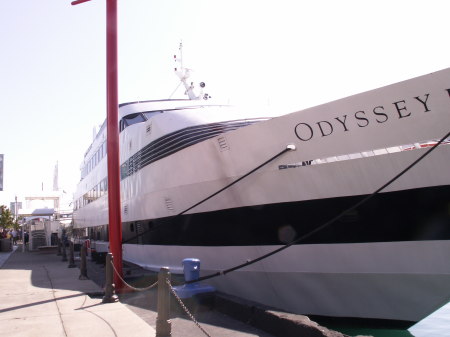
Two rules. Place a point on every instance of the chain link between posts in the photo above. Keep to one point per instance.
(130, 286)
(186, 310)
(172, 290)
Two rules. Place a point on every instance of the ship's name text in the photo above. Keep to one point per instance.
(363, 118)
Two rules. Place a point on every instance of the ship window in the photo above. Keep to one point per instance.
(102, 188)
(123, 170)
(133, 119)
(150, 114)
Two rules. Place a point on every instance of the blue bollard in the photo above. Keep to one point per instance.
(191, 270)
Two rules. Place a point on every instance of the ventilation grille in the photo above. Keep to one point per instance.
(148, 129)
(169, 204)
(139, 232)
(125, 209)
(223, 144)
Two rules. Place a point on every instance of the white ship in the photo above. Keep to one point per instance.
(387, 260)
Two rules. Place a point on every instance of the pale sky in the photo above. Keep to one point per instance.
(288, 54)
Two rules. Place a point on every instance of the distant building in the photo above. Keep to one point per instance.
(12, 207)
(47, 199)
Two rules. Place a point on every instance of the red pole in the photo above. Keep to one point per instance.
(77, 2)
(112, 103)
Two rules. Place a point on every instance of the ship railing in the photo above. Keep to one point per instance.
(366, 154)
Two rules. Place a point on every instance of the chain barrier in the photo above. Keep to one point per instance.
(186, 310)
(130, 286)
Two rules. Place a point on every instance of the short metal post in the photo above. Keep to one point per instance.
(71, 257)
(163, 324)
(64, 253)
(110, 292)
(59, 247)
(83, 269)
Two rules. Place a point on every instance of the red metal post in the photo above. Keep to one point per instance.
(115, 218)
(112, 141)
(77, 2)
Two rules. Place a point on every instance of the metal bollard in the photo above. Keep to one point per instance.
(110, 292)
(71, 257)
(59, 248)
(83, 269)
(191, 270)
(163, 324)
(64, 253)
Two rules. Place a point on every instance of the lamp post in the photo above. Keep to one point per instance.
(23, 235)
(112, 125)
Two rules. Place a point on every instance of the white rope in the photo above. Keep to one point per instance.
(130, 286)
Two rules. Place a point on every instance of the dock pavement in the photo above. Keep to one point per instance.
(41, 296)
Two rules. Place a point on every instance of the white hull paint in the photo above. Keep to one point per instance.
(389, 280)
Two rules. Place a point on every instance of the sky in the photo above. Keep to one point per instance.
(288, 55)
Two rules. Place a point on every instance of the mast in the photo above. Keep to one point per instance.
(183, 74)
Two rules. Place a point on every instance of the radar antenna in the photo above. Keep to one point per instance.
(183, 74)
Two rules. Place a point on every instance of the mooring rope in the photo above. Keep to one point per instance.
(326, 224)
(130, 286)
(288, 148)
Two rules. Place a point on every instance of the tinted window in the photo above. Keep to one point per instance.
(133, 119)
(150, 114)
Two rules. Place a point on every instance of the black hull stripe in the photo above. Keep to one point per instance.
(411, 215)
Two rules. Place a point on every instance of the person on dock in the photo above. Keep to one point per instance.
(26, 238)
(14, 236)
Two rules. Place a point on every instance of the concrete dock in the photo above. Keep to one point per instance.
(40, 295)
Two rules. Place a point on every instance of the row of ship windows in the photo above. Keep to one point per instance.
(95, 159)
(126, 121)
(96, 192)
(101, 152)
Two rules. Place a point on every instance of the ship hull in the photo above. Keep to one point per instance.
(389, 283)
(240, 194)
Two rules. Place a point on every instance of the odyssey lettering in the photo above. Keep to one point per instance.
(363, 118)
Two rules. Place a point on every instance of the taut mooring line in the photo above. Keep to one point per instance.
(288, 148)
(367, 198)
